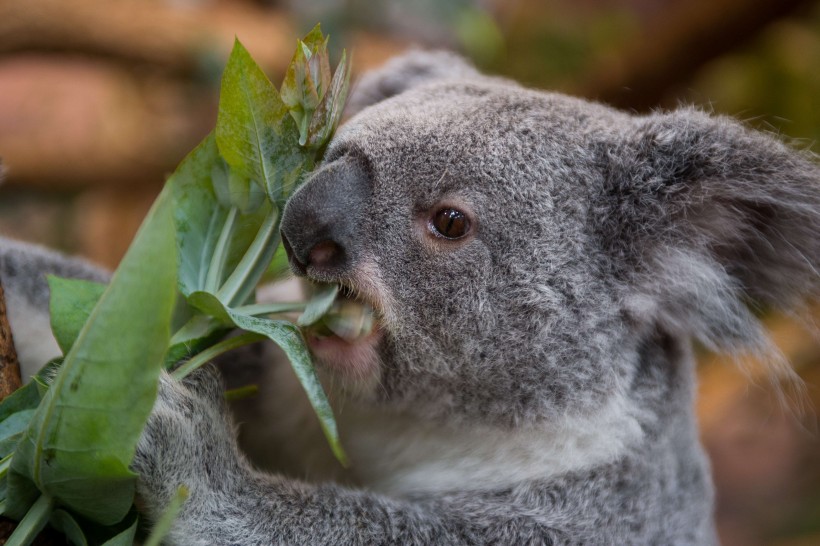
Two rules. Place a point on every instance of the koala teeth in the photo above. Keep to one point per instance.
(349, 319)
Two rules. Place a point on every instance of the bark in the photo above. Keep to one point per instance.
(10, 379)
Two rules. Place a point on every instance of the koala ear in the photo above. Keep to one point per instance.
(704, 216)
(405, 72)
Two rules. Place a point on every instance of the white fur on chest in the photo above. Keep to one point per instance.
(400, 455)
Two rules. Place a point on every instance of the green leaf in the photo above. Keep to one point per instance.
(169, 515)
(241, 393)
(298, 90)
(32, 522)
(16, 411)
(67, 525)
(120, 534)
(5, 462)
(254, 130)
(125, 537)
(198, 216)
(197, 335)
(9, 444)
(329, 112)
(214, 351)
(84, 433)
(241, 283)
(279, 268)
(200, 222)
(314, 44)
(12, 427)
(246, 195)
(46, 375)
(307, 80)
(322, 300)
(24, 398)
(289, 338)
(71, 303)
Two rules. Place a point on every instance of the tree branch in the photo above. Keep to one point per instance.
(10, 379)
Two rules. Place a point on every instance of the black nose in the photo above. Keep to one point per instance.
(321, 222)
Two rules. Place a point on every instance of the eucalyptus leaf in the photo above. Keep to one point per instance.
(24, 398)
(298, 89)
(323, 297)
(169, 515)
(84, 432)
(198, 214)
(306, 80)
(42, 381)
(32, 523)
(120, 534)
(9, 444)
(279, 267)
(316, 42)
(70, 304)
(199, 220)
(212, 235)
(287, 336)
(14, 425)
(246, 195)
(200, 333)
(66, 524)
(16, 411)
(124, 537)
(330, 109)
(255, 133)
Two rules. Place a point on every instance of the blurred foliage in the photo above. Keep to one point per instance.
(551, 44)
(774, 83)
(455, 24)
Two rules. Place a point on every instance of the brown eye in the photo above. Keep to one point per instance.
(450, 224)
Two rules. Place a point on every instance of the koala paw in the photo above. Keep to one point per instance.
(189, 440)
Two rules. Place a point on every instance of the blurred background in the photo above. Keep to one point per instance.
(100, 100)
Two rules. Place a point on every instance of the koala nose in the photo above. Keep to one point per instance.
(320, 222)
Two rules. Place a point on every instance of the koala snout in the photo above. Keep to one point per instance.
(320, 224)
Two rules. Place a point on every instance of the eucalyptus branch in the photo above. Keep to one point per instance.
(214, 351)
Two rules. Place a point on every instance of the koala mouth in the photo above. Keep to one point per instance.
(345, 339)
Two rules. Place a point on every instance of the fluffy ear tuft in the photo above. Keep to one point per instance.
(405, 72)
(703, 216)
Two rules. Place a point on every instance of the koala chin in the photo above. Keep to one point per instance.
(539, 267)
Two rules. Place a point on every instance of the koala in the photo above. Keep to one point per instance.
(539, 266)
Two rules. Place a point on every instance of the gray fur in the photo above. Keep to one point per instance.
(23, 270)
(604, 243)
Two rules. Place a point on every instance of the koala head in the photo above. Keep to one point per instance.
(521, 247)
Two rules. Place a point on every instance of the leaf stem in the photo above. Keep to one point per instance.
(166, 520)
(4, 465)
(240, 393)
(243, 276)
(217, 267)
(257, 309)
(214, 351)
(32, 523)
(198, 326)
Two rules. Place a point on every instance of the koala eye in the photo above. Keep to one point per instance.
(450, 224)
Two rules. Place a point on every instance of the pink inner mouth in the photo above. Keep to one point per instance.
(356, 359)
